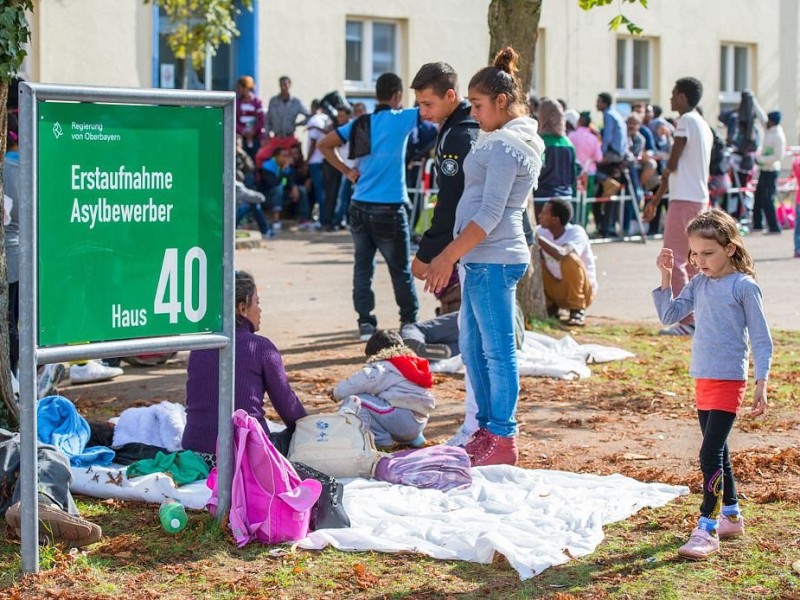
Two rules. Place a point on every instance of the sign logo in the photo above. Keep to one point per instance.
(449, 167)
(57, 131)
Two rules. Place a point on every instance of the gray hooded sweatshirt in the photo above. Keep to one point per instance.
(500, 173)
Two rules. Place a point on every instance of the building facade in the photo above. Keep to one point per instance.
(344, 45)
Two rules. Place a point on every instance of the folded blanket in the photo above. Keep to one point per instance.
(59, 424)
(158, 425)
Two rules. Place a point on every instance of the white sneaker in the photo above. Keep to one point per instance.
(462, 436)
(92, 371)
(49, 377)
(276, 226)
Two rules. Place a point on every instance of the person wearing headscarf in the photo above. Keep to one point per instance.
(560, 169)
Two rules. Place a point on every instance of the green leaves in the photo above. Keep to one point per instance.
(621, 19)
(618, 20)
(200, 26)
(14, 34)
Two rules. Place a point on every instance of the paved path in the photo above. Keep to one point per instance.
(305, 282)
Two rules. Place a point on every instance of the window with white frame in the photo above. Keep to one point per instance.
(372, 47)
(634, 68)
(734, 72)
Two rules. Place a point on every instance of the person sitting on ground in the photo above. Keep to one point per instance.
(59, 520)
(250, 202)
(259, 369)
(434, 339)
(569, 277)
(394, 390)
(275, 183)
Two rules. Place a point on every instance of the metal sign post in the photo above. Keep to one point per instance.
(127, 239)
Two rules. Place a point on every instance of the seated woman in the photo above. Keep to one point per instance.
(259, 369)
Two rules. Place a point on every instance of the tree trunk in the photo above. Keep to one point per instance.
(515, 23)
(9, 401)
(187, 64)
(530, 289)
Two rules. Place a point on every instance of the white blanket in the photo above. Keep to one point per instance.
(159, 425)
(543, 356)
(531, 517)
(113, 482)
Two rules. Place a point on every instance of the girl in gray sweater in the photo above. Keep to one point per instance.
(728, 312)
(500, 173)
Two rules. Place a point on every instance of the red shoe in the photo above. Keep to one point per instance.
(496, 450)
(476, 441)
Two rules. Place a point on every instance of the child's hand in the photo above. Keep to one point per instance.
(665, 261)
(760, 399)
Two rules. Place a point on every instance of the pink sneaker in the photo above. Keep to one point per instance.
(476, 441)
(730, 527)
(496, 450)
(701, 544)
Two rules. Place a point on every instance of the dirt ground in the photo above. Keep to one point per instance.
(604, 424)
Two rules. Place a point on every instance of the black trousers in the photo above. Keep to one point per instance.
(719, 486)
(764, 201)
(13, 325)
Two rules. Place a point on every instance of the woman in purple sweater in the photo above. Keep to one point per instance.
(259, 369)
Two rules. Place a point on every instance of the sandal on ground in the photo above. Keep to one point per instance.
(577, 318)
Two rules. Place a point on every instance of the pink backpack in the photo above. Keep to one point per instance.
(269, 501)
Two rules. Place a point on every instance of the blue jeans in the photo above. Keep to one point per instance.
(382, 227)
(487, 342)
(258, 214)
(343, 204)
(318, 184)
(797, 228)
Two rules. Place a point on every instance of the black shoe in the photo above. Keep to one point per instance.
(429, 351)
(577, 318)
(365, 331)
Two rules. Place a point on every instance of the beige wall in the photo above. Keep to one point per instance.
(306, 40)
(92, 42)
(580, 52)
(109, 42)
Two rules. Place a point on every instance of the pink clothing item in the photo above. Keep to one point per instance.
(796, 174)
(679, 213)
(587, 149)
(269, 501)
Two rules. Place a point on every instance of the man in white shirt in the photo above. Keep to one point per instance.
(769, 165)
(569, 276)
(686, 176)
(318, 126)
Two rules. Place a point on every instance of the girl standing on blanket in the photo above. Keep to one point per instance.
(259, 370)
(726, 302)
(500, 173)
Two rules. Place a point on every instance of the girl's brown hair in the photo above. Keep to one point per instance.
(719, 226)
(501, 78)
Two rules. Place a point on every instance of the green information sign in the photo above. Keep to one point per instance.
(130, 221)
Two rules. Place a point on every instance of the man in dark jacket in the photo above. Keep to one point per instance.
(436, 89)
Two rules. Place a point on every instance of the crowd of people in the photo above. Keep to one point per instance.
(493, 150)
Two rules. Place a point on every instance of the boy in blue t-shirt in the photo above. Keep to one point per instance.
(378, 217)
